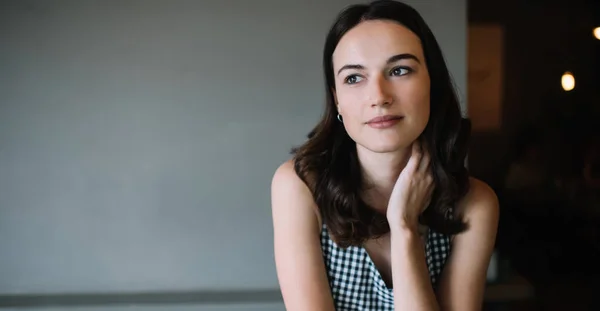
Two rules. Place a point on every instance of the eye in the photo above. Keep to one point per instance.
(400, 71)
(352, 79)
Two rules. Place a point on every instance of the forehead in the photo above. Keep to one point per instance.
(373, 42)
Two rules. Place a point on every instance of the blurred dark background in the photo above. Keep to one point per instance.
(537, 144)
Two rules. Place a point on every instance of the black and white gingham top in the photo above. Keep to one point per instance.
(356, 283)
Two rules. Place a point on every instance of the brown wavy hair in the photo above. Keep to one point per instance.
(328, 163)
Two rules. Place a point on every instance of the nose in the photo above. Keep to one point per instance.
(379, 92)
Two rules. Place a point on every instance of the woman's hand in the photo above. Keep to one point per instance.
(412, 192)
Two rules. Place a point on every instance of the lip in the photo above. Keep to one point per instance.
(384, 121)
(384, 118)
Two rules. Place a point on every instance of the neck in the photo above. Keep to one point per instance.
(381, 171)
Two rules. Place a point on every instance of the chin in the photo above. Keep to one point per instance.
(386, 142)
(386, 147)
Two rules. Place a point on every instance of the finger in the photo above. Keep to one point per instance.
(431, 185)
(427, 203)
(429, 196)
(425, 162)
(415, 158)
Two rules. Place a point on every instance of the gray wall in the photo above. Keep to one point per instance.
(138, 138)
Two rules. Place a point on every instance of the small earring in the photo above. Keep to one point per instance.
(339, 117)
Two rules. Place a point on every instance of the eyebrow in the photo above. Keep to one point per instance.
(390, 60)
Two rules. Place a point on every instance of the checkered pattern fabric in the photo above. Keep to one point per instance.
(355, 282)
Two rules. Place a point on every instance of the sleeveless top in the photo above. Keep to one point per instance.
(355, 282)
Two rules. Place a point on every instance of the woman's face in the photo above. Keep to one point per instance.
(380, 72)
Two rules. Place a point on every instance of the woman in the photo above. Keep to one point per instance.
(376, 211)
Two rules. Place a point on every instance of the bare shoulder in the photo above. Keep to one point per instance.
(290, 195)
(462, 284)
(296, 236)
(285, 178)
(480, 204)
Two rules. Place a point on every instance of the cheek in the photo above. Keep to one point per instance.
(351, 110)
(349, 104)
(424, 107)
(421, 111)
(418, 100)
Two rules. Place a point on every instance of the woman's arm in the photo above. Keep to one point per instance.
(412, 286)
(463, 280)
(462, 283)
(298, 256)
(409, 197)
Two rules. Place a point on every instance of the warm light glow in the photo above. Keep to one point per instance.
(568, 81)
(597, 33)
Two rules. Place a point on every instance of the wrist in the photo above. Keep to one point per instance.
(405, 225)
(403, 222)
(405, 235)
